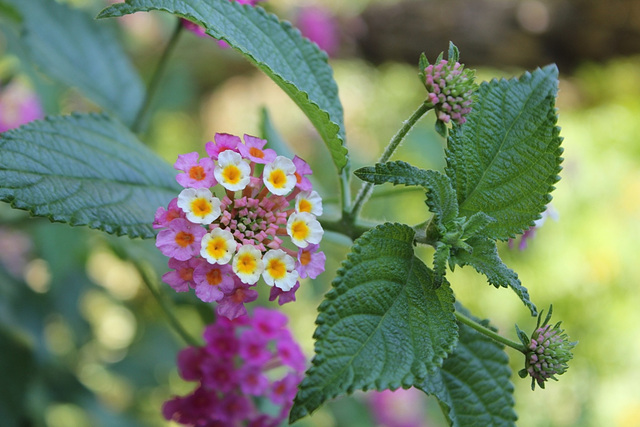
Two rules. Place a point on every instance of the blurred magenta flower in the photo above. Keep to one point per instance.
(236, 369)
(549, 212)
(319, 26)
(399, 408)
(18, 105)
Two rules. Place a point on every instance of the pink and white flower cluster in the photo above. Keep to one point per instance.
(236, 373)
(245, 213)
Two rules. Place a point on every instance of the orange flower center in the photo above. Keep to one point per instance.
(197, 173)
(214, 277)
(305, 258)
(256, 152)
(184, 239)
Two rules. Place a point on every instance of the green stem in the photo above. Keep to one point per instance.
(345, 191)
(141, 117)
(168, 311)
(367, 188)
(488, 332)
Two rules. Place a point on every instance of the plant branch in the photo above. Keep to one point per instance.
(367, 188)
(488, 332)
(141, 117)
(168, 311)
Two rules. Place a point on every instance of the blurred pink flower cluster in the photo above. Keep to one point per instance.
(18, 105)
(221, 243)
(235, 373)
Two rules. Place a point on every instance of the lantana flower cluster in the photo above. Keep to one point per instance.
(246, 364)
(258, 222)
(450, 90)
(548, 352)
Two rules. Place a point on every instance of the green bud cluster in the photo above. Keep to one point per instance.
(547, 352)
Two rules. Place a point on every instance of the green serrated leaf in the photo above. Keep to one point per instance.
(476, 224)
(505, 159)
(70, 46)
(441, 197)
(383, 325)
(440, 259)
(85, 170)
(485, 259)
(473, 384)
(297, 65)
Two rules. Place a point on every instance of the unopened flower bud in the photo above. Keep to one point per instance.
(548, 352)
(450, 89)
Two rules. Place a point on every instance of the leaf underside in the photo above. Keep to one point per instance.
(505, 159)
(70, 46)
(85, 169)
(277, 48)
(383, 325)
(473, 384)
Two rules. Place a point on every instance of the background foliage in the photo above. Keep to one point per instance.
(101, 353)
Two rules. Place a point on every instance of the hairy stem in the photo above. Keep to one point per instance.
(367, 188)
(168, 311)
(141, 117)
(488, 332)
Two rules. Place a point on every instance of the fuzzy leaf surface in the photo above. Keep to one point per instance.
(441, 197)
(505, 159)
(70, 46)
(485, 259)
(297, 65)
(382, 325)
(473, 383)
(85, 170)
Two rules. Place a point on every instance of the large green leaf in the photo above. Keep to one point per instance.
(473, 383)
(505, 159)
(441, 197)
(383, 325)
(70, 46)
(85, 170)
(485, 259)
(297, 65)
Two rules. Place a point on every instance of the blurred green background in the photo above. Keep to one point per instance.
(85, 344)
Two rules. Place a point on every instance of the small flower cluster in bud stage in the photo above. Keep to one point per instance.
(222, 245)
(450, 90)
(547, 352)
(247, 364)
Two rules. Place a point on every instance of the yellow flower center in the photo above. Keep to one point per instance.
(277, 178)
(217, 247)
(231, 174)
(277, 269)
(300, 230)
(304, 206)
(246, 264)
(201, 207)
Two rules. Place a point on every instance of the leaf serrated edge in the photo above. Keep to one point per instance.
(555, 138)
(118, 230)
(339, 154)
